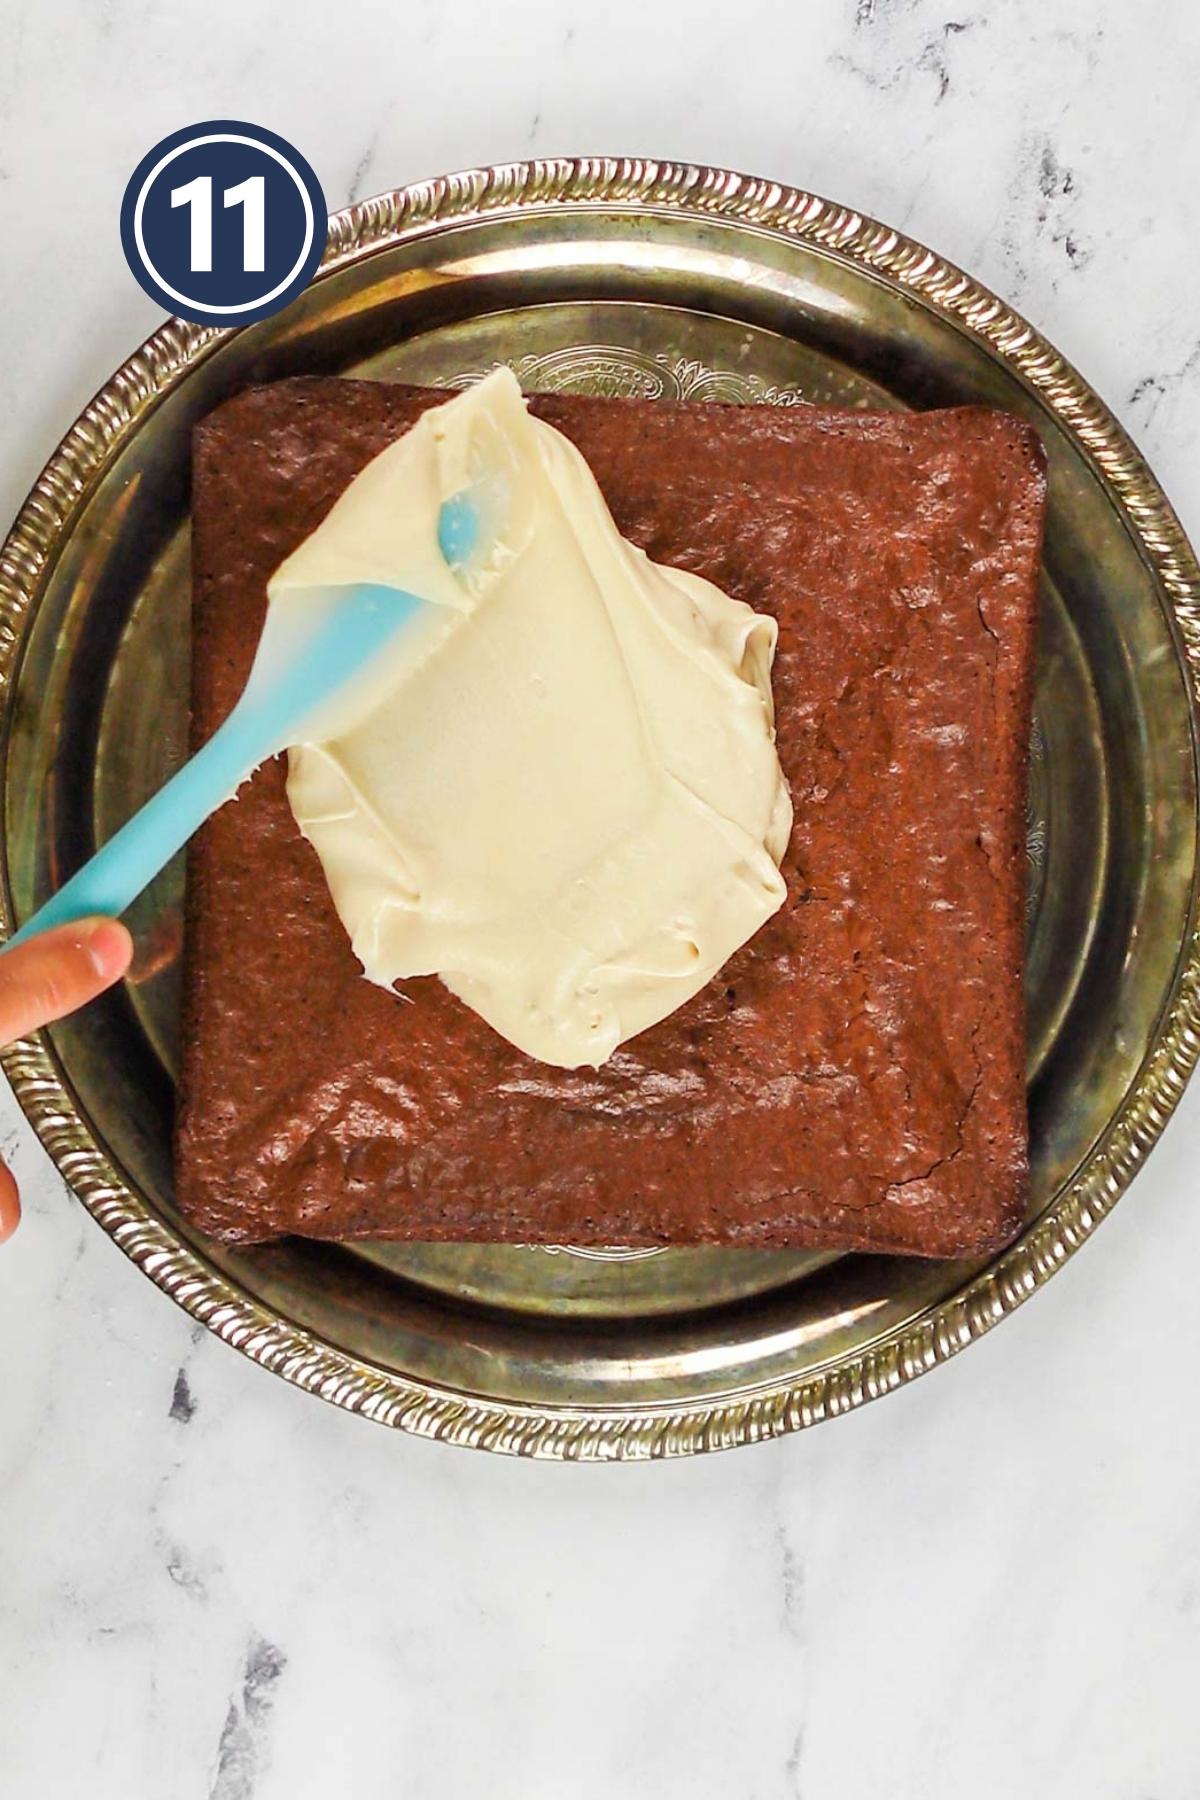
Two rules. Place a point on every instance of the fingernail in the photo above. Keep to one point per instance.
(108, 947)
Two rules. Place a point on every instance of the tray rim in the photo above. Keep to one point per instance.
(607, 1432)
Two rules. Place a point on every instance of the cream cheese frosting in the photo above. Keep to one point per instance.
(559, 789)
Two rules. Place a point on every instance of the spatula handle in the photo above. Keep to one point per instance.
(109, 881)
(261, 723)
(270, 710)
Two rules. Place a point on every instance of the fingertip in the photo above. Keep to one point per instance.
(110, 948)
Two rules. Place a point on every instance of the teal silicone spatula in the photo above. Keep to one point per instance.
(294, 674)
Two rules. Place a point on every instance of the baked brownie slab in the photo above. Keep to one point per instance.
(854, 1076)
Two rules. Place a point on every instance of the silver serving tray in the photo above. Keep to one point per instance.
(617, 277)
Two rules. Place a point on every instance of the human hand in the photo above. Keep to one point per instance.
(46, 978)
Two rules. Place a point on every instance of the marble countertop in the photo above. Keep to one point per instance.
(988, 1585)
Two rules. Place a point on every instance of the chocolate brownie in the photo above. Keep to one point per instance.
(854, 1076)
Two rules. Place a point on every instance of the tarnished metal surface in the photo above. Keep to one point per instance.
(617, 277)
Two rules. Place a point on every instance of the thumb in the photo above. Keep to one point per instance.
(10, 1205)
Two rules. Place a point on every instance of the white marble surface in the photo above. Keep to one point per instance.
(989, 1585)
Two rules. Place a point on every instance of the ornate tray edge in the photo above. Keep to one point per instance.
(604, 1433)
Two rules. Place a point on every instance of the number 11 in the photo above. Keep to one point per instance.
(250, 195)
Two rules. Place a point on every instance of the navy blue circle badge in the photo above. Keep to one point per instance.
(223, 223)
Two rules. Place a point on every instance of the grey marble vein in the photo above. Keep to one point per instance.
(362, 168)
(182, 1405)
(242, 1751)
(792, 1580)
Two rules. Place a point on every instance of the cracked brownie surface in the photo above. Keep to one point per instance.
(854, 1076)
